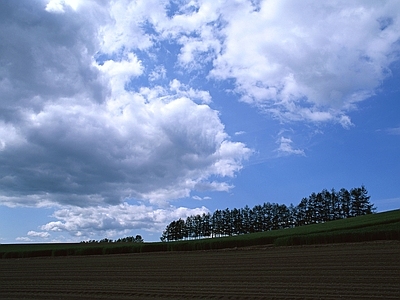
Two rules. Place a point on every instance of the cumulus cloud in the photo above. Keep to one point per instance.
(306, 61)
(127, 29)
(310, 60)
(158, 73)
(47, 61)
(296, 61)
(58, 6)
(186, 91)
(38, 234)
(120, 72)
(98, 104)
(78, 134)
(23, 239)
(135, 146)
(114, 220)
(33, 236)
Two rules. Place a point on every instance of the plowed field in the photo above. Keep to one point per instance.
(347, 271)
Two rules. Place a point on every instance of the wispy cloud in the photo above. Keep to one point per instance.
(393, 131)
(201, 198)
(23, 239)
(240, 132)
(285, 147)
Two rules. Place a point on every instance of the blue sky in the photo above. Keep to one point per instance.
(118, 117)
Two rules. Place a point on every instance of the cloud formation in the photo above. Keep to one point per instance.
(100, 107)
(393, 131)
(78, 136)
(286, 148)
(301, 61)
(113, 220)
(307, 61)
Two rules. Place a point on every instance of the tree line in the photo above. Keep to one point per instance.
(317, 208)
(129, 239)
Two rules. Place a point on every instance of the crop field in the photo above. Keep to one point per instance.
(349, 271)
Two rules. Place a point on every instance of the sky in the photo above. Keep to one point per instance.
(118, 117)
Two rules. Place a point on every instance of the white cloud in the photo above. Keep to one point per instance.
(83, 134)
(134, 146)
(115, 220)
(285, 147)
(186, 91)
(158, 73)
(23, 239)
(57, 6)
(120, 72)
(81, 126)
(9, 136)
(38, 234)
(33, 236)
(201, 198)
(126, 28)
(393, 131)
(301, 61)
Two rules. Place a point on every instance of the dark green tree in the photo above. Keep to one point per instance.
(246, 219)
(345, 203)
(227, 222)
(318, 207)
(360, 204)
(237, 222)
(267, 211)
(217, 223)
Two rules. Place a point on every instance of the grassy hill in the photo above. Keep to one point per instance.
(380, 226)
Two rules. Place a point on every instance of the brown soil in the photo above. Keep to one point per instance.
(347, 271)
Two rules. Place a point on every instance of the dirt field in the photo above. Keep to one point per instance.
(348, 271)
